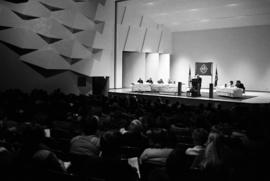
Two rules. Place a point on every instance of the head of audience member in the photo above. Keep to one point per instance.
(45, 159)
(135, 126)
(199, 136)
(110, 144)
(89, 125)
(217, 156)
(159, 138)
(32, 137)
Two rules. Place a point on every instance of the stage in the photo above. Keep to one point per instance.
(249, 98)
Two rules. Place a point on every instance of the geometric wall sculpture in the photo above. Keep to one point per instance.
(74, 35)
(50, 34)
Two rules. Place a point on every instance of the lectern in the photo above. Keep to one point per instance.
(196, 87)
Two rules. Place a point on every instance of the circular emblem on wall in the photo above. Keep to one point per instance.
(203, 69)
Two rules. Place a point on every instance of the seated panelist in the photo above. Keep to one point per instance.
(160, 81)
(170, 81)
(140, 81)
(240, 85)
(150, 81)
(231, 84)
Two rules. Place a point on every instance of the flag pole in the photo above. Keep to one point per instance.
(212, 74)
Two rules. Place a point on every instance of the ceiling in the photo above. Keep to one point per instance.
(189, 15)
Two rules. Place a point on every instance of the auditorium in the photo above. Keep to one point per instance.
(181, 87)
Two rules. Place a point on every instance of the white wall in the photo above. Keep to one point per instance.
(133, 67)
(239, 53)
(164, 66)
(145, 65)
(152, 66)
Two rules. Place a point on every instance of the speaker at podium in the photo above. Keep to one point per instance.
(195, 87)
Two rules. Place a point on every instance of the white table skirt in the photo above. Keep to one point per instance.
(154, 88)
(229, 91)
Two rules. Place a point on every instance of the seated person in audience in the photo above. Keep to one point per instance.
(160, 81)
(199, 137)
(159, 148)
(115, 168)
(150, 81)
(240, 85)
(35, 152)
(134, 136)
(88, 143)
(140, 81)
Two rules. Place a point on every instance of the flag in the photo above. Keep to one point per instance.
(216, 78)
(203, 68)
(189, 77)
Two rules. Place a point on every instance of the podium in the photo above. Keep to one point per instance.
(196, 87)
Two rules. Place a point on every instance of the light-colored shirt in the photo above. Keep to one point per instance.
(155, 155)
(85, 145)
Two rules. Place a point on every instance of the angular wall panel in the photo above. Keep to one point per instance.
(72, 30)
(22, 38)
(151, 40)
(46, 58)
(135, 39)
(105, 12)
(24, 16)
(31, 8)
(165, 43)
(73, 19)
(48, 27)
(122, 36)
(8, 18)
(86, 38)
(88, 8)
(51, 8)
(99, 61)
(18, 50)
(105, 40)
(148, 23)
(64, 4)
(49, 40)
(72, 49)
(131, 17)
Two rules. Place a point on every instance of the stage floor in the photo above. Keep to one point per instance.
(250, 97)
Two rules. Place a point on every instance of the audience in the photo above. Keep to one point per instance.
(186, 141)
